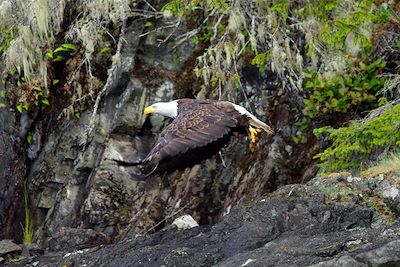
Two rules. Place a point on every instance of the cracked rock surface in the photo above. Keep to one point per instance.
(297, 225)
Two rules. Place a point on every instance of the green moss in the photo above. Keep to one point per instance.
(381, 209)
(353, 146)
(336, 194)
(185, 8)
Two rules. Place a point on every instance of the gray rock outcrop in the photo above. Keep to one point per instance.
(298, 225)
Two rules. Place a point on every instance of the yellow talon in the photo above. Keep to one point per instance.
(253, 135)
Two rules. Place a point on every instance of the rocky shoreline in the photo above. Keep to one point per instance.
(321, 223)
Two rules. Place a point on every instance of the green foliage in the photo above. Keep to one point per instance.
(281, 7)
(40, 96)
(185, 8)
(261, 61)
(304, 127)
(3, 96)
(387, 13)
(6, 36)
(207, 32)
(341, 92)
(105, 50)
(29, 138)
(28, 225)
(353, 145)
(22, 106)
(329, 26)
(338, 19)
(177, 8)
(176, 58)
(61, 52)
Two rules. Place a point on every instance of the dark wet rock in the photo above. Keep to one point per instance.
(155, 49)
(343, 261)
(12, 169)
(8, 247)
(387, 255)
(68, 238)
(298, 225)
(327, 222)
(34, 249)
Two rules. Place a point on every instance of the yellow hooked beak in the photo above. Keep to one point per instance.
(149, 110)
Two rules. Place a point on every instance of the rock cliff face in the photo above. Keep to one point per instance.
(80, 198)
(78, 194)
(12, 168)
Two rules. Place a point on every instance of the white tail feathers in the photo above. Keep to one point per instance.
(253, 121)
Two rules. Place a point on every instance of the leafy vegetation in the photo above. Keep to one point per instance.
(2, 98)
(332, 31)
(62, 52)
(6, 36)
(35, 55)
(332, 40)
(342, 92)
(341, 20)
(353, 146)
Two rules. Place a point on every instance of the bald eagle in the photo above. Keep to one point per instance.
(199, 130)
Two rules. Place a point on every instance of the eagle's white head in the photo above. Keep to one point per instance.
(169, 109)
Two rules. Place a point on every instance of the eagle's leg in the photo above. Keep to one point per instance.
(253, 135)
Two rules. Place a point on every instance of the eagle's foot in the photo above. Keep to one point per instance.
(253, 135)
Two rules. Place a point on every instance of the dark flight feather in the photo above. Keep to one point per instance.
(199, 131)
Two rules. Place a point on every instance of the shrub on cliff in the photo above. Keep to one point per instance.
(353, 146)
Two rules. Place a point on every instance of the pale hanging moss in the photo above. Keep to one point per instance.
(236, 21)
(255, 26)
(97, 15)
(38, 21)
(41, 13)
(5, 11)
(89, 30)
(279, 33)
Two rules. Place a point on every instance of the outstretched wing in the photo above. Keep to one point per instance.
(199, 131)
(193, 128)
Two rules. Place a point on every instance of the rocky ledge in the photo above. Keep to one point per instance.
(338, 220)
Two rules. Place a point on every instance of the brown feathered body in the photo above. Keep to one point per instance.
(199, 131)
